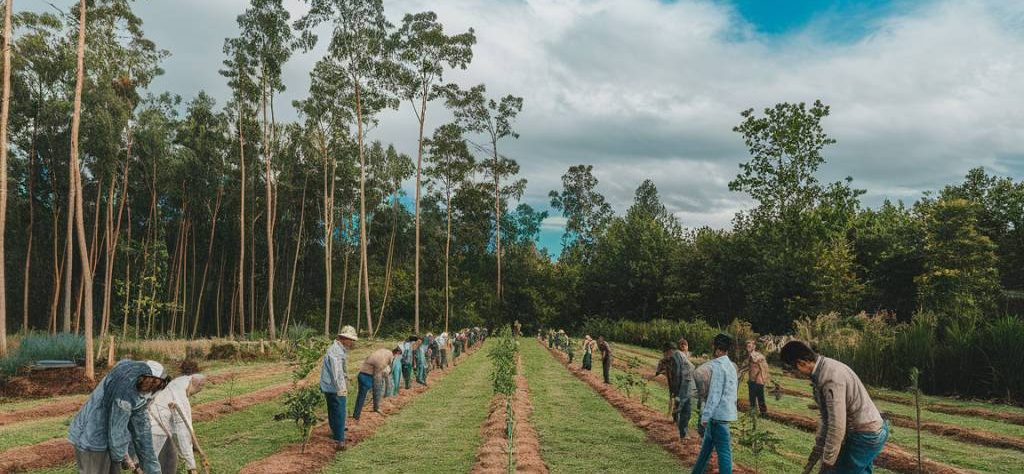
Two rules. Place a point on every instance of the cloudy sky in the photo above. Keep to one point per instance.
(920, 91)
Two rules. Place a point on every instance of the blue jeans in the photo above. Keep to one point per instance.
(859, 451)
(365, 385)
(336, 415)
(716, 437)
(682, 417)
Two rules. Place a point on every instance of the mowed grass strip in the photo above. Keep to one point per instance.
(438, 431)
(579, 431)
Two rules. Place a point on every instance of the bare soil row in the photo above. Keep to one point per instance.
(492, 456)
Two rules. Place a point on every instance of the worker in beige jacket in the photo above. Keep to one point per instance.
(851, 431)
(371, 377)
(170, 416)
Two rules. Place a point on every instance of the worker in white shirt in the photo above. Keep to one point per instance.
(170, 415)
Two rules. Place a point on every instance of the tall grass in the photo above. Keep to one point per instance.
(36, 346)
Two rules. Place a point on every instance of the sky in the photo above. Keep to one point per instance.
(920, 91)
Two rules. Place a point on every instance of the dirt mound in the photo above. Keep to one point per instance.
(660, 429)
(37, 456)
(1015, 418)
(48, 383)
(211, 410)
(58, 408)
(294, 459)
(492, 455)
(527, 443)
(974, 436)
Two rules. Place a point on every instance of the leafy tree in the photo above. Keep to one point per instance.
(960, 280)
(585, 209)
(424, 50)
(451, 164)
(474, 112)
(360, 51)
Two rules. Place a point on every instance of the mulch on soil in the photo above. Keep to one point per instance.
(58, 451)
(659, 428)
(49, 383)
(70, 406)
(492, 456)
(973, 436)
(319, 451)
(893, 457)
(1015, 418)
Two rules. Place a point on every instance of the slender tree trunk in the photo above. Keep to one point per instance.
(271, 325)
(59, 262)
(362, 213)
(390, 261)
(447, 260)
(4, 113)
(220, 295)
(69, 253)
(114, 232)
(241, 224)
(295, 260)
(127, 279)
(252, 268)
(344, 290)
(206, 265)
(90, 370)
(31, 220)
(419, 171)
(234, 304)
(497, 220)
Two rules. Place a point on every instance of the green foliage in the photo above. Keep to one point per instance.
(653, 334)
(630, 380)
(301, 406)
(307, 355)
(502, 352)
(757, 440)
(35, 347)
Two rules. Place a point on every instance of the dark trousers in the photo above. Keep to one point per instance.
(407, 375)
(756, 393)
(682, 416)
(365, 386)
(336, 415)
(606, 366)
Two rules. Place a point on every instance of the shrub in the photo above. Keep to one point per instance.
(653, 334)
(35, 347)
(301, 406)
(223, 350)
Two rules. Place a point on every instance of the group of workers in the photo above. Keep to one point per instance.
(384, 370)
(851, 432)
(137, 418)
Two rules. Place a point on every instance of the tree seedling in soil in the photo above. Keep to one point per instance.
(301, 406)
(916, 390)
(755, 439)
(503, 356)
(631, 380)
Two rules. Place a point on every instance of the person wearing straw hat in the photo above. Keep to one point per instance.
(113, 422)
(588, 352)
(334, 382)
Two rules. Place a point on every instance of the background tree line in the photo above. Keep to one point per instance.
(207, 218)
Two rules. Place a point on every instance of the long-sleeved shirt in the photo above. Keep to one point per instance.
(844, 404)
(606, 350)
(721, 404)
(114, 418)
(376, 362)
(167, 423)
(407, 353)
(758, 367)
(334, 372)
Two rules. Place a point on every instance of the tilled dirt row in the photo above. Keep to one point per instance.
(492, 456)
(1015, 418)
(893, 457)
(58, 451)
(659, 428)
(320, 451)
(70, 406)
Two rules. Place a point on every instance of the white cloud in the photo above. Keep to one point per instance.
(652, 89)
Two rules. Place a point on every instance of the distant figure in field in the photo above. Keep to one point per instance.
(678, 370)
(720, 409)
(606, 357)
(757, 377)
(421, 359)
(409, 348)
(395, 376)
(371, 377)
(114, 420)
(588, 352)
(518, 328)
(851, 432)
(442, 348)
(334, 382)
(170, 416)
